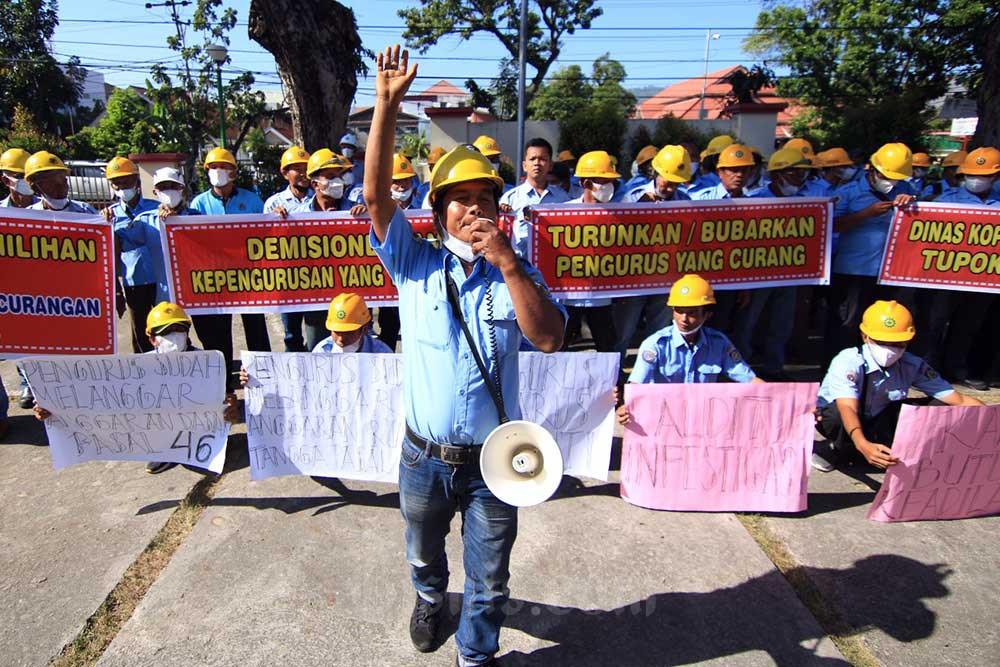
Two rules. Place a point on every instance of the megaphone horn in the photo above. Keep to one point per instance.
(521, 463)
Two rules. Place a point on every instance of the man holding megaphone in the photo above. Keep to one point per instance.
(463, 309)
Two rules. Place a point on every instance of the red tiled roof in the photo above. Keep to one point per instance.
(444, 89)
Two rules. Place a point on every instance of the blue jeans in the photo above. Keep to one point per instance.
(430, 491)
(315, 325)
(4, 401)
(780, 322)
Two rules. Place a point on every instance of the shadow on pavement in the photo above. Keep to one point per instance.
(884, 592)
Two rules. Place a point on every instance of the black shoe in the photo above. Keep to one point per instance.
(424, 625)
(154, 468)
(27, 399)
(995, 383)
(973, 383)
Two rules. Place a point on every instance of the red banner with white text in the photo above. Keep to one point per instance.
(57, 276)
(944, 246)
(630, 249)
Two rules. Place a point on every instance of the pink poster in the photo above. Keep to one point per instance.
(949, 465)
(718, 447)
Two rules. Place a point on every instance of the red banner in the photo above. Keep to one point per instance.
(57, 275)
(258, 263)
(628, 249)
(944, 246)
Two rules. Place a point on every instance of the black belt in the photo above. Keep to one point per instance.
(460, 455)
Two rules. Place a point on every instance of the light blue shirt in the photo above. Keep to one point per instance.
(142, 251)
(817, 187)
(369, 345)
(636, 181)
(525, 196)
(6, 203)
(240, 202)
(718, 191)
(123, 214)
(859, 249)
(286, 199)
(308, 205)
(702, 182)
(444, 395)
(73, 206)
(666, 357)
(885, 385)
(962, 196)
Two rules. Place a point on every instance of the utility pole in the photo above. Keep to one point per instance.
(520, 88)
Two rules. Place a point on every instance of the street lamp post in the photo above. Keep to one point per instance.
(709, 36)
(218, 54)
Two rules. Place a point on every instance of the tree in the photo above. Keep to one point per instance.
(988, 83)
(127, 127)
(435, 19)
(867, 69)
(319, 56)
(598, 126)
(501, 95)
(25, 133)
(415, 145)
(569, 91)
(30, 76)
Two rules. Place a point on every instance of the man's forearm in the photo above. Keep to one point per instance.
(378, 174)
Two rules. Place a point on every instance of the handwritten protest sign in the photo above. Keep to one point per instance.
(147, 407)
(629, 249)
(949, 465)
(57, 277)
(947, 246)
(327, 415)
(570, 394)
(718, 447)
(341, 415)
(260, 263)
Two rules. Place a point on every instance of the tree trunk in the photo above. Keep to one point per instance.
(319, 54)
(988, 99)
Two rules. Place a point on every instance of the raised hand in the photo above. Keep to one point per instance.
(393, 74)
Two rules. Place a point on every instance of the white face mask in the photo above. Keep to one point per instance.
(126, 194)
(348, 178)
(333, 187)
(21, 187)
(603, 192)
(788, 189)
(347, 152)
(689, 332)
(175, 341)
(218, 177)
(977, 185)
(56, 204)
(347, 349)
(169, 198)
(847, 173)
(402, 195)
(458, 248)
(884, 355)
(884, 185)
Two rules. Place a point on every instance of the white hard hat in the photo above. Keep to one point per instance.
(167, 175)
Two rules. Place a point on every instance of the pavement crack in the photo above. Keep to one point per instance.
(848, 640)
(104, 624)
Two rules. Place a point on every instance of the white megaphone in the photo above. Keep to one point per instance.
(521, 463)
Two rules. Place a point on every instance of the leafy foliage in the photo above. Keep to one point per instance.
(415, 146)
(547, 22)
(25, 133)
(570, 91)
(127, 127)
(599, 126)
(868, 68)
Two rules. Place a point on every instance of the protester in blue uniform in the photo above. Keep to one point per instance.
(706, 176)
(643, 170)
(865, 386)
(733, 167)
(468, 300)
(293, 170)
(534, 191)
(49, 179)
(349, 323)
(20, 195)
(950, 181)
(836, 169)
(356, 174)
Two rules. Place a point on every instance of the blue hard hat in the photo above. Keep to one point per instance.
(349, 139)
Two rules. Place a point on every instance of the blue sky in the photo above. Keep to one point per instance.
(659, 42)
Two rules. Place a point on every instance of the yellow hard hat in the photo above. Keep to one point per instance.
(461, 164)
(835, 157)
(787, 158)
(324, 158)
(894, 161)
(348, 312)
(43, 161)
(120, 166)
(717, 144)
(294, 155)
(954, 159)
(218, 154)
(689, 291)
(921, 160)
(565, 156)
(802, 145)
(736, 155)
(981, 162)
(13, 159)
(436, 154)
(596, 164)
(888, 321)
(402, 167)
(165, 313)
(673, 163)
(488, 146)
(646, 154)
